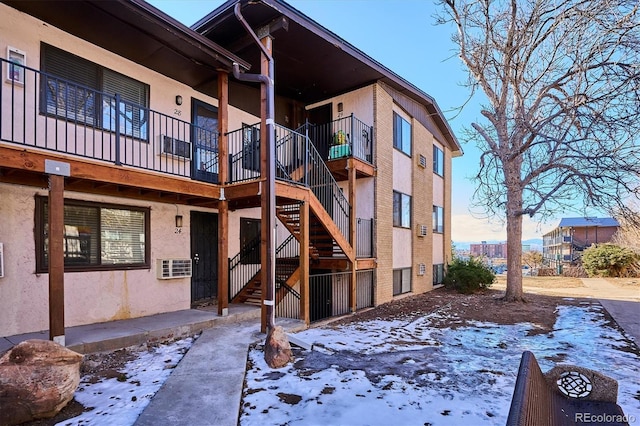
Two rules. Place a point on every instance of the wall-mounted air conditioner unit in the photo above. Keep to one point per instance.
(173, 268)
(422, 230)
(1, 260)
(422, 269)
(176, 147)
(422, 161)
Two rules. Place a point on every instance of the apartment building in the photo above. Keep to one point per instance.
(133, 166)
(564, 245)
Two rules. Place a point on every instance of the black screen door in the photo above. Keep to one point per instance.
(204, 255)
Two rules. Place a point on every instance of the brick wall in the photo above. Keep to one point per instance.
(383, 123)
(422, 207)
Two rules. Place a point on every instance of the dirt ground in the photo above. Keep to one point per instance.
(485, 306)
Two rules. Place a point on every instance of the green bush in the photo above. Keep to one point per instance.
(468, 276)
(607, 260)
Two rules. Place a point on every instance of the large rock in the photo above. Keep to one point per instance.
(277, 350)
(37, 379)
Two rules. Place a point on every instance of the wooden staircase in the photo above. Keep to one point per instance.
(287, 272)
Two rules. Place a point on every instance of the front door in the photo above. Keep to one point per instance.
(204, 255)
(205, 140)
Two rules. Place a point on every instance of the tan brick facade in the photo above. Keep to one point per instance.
(422, 183)
(383, 123)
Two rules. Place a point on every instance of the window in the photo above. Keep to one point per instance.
(81, 91)
(401, 281)
(401, 134)
(438, 219)
(438, 161)
(438, 274)
(96, 236)
(401, 210)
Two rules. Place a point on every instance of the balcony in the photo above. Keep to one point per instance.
(40, 111)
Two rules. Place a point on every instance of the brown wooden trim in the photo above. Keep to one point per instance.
(127, 177)
(223, 126)
(56, 257)
(223, 258)
(331, 227)
(366, 264)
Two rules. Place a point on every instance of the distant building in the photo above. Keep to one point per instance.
(563, 246)
(489, 250)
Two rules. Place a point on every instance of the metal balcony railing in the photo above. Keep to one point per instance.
(344, 137)
(46, 112)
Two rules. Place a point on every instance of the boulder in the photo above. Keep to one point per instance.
(37, 379)
(277, 350)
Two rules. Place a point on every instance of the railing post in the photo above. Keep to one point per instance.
(352, 137)
(117, 123)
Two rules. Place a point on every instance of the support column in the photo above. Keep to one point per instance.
(352, 234)
(223, 204)
(304, 263)
(267, 197)
(56, 259)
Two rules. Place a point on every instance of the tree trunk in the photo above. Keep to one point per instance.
(514, 246)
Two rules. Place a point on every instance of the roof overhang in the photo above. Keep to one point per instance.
(139, 32)
(311, 62)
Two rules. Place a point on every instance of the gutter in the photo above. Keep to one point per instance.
(269, 140)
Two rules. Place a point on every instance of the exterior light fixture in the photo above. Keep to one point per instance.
(178, 221)
(178, 100)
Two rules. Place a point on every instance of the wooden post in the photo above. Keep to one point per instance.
(304, 263)
(266, 237)
(352, 234)
(56, 259)
(223, 204)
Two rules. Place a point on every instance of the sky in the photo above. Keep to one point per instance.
(403, 371)
(402, 35)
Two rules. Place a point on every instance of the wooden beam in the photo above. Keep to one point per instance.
(56, 259)
(304, 263)
(369, 263)
(223, 205)
(21, 159)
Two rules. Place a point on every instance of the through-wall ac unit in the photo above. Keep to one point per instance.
(422, 230)
(422, 161)
(1, 260)
(173, 268)
(422, 269)
(176, 147)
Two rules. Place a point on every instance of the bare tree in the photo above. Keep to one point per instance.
(562, 83)
(533, 259)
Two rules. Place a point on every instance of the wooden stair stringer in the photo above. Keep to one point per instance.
(329, 225)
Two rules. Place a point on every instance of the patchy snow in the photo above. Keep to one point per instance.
(402, 372)
(119, 401)
(408, 373)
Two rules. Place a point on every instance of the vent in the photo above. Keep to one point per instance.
(422, 230)
(422, 269)
(1, 260)
(422, 161)
(173, 268)
(175, 147)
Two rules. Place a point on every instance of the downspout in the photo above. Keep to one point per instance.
(267, 80)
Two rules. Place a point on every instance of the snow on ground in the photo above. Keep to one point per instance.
(407, 373)
(400, 372)
(118, 401)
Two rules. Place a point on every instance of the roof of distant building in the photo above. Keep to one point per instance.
(587, 221)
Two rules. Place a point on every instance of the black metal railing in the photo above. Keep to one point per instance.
(42, 111)
(289, 305)
(243, 267)
(297, 161)
(364, 288)
(345, 137)
(364, 237)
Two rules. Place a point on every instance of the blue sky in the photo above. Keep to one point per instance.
(402, 35)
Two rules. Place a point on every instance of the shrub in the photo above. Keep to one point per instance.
(607, 260)
(468, 276)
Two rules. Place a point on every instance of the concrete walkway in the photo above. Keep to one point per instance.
(206, 386)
